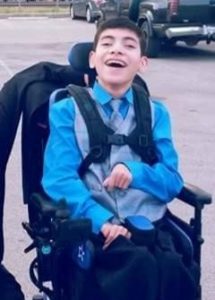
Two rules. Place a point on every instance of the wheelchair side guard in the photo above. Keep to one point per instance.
(197, 198)
(183, 239)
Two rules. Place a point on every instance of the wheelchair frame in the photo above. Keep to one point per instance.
(54, 231)
(49, 224)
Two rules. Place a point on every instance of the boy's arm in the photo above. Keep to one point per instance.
(162, 179)
(61, 161)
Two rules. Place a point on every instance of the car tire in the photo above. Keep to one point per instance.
(89, 17)
(72, 13)
(153, 44)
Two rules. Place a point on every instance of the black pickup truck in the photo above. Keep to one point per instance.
(169, 21)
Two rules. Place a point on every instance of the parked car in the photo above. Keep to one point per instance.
(88, 9)
(169, 21)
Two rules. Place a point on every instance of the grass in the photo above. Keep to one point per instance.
(37, 10)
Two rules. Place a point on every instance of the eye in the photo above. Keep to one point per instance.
(130, 46)
(106, 44)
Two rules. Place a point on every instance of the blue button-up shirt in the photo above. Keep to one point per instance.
(63, 157)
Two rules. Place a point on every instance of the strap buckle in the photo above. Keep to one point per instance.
(116, 139)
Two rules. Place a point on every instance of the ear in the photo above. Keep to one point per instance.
(92, 59)
(143, 64)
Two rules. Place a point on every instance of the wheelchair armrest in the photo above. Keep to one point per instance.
(47, 207)
(194, 196)
(54, 222)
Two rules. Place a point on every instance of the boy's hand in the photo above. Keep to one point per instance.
(120, 177)
(111, 232)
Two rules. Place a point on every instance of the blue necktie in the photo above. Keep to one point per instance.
(116, 117)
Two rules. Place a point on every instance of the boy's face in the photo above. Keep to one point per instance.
(117, 57)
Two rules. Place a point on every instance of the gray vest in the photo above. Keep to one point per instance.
(121, 203)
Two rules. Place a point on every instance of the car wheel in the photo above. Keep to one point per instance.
(72, 13)
(153, 44)
(89, 17)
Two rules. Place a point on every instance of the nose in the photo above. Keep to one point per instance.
(116, 48)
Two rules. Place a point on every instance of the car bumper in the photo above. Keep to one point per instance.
(204, 32)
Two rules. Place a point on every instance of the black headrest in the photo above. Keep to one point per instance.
(79, 60)
(79, 57)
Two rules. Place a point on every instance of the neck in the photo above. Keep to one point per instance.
(116, 90)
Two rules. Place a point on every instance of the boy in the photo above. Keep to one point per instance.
(122, 185)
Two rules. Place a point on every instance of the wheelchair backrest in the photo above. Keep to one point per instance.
(35, 125)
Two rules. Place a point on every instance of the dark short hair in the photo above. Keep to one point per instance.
(121, 23)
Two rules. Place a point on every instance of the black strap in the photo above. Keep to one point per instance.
(141, 139)
(97, 130)
(102, 137)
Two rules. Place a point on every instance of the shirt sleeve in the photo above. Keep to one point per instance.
(61, 162)
(162, 180)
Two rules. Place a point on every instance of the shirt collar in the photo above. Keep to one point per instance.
(103, 97)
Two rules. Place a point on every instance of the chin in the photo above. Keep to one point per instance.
(116, 79)
(116, 82)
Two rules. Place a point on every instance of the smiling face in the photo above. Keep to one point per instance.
(117, 58)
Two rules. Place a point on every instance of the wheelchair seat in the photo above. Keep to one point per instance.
(50, 227)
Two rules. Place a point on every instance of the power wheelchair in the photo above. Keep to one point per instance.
(62, 243)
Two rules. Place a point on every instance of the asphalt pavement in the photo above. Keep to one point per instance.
(184, 77)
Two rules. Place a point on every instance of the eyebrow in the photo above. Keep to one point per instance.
(127, 38)
(107, 37)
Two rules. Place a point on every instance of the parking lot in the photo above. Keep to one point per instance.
(183, 77)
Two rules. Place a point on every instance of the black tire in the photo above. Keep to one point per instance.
(72, 13)
(89, 17)
(153, 44)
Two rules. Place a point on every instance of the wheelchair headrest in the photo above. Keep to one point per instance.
(79, 57)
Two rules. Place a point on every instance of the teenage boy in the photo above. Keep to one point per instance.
(122, 185)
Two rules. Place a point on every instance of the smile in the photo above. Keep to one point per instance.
(115, 63)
